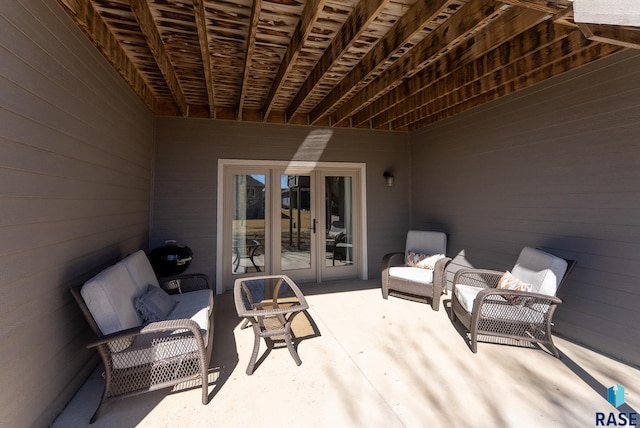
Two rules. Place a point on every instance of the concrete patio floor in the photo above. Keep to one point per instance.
(375, 363)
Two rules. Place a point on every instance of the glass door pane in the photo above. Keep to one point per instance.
(339, 221)
(248, 223)
(296, 222)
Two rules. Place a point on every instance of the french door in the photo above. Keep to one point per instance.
(302, 220)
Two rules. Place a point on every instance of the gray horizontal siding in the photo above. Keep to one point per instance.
(554, 166)
(75, 181)
(186, 163)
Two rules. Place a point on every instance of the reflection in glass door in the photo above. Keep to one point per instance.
(297, 225)
(339, 221)
(340, 249)
(248, 223)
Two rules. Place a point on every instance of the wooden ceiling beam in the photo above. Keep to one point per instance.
(543, 43)
(310, 13)
(248, 54)
(358, 21)
(203, 37)
(541, 67)
(445, 37)
(565, 17)
(547, 6)
(84, 14)
(156, 46)
(628, 37)
(511, 33)
(413, 21)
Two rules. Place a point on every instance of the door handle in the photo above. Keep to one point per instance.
(314, 225)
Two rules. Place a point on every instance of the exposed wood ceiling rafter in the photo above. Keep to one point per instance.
(471, 17)
(361, 17)
(203, 38)
(501, 87)
(310, 13)
(86, 17)
(548, 6)
(627, 37)
(498, 67)
(148, 27)
(411, 23)
(380, 64)
(251, 44)
(419, 89)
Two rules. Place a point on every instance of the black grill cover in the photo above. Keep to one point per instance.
(170, 259)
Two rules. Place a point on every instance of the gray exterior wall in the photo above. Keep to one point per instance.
(555, 166)
(187, 153)
(76, 150)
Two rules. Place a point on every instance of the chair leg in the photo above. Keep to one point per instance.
(98, 409)
(205, 391)
(435, 302)
(549, 343)
(205, 385)
(549, 323)
(553, 349)
(473, 338)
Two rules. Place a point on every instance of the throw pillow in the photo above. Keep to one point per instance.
(430, 261)
(510, 282)
(423, 261)
(414, 258)
(154, 304)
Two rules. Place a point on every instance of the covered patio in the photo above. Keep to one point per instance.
(504, 124)
(377, 363)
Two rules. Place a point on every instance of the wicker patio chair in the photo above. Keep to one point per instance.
(156, 355)
(399, 275)
(512, 315)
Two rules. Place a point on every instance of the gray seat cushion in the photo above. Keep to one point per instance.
(195, 305)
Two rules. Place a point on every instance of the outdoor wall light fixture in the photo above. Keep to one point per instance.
(388, 175)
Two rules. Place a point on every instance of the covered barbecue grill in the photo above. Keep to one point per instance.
(170, 259)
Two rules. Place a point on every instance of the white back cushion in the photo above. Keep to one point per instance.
(140, 270)
(109, 297)
(542, 270)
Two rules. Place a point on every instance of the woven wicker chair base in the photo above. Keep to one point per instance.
(507, 328)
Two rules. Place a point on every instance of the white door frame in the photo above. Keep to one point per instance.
(225, 164)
